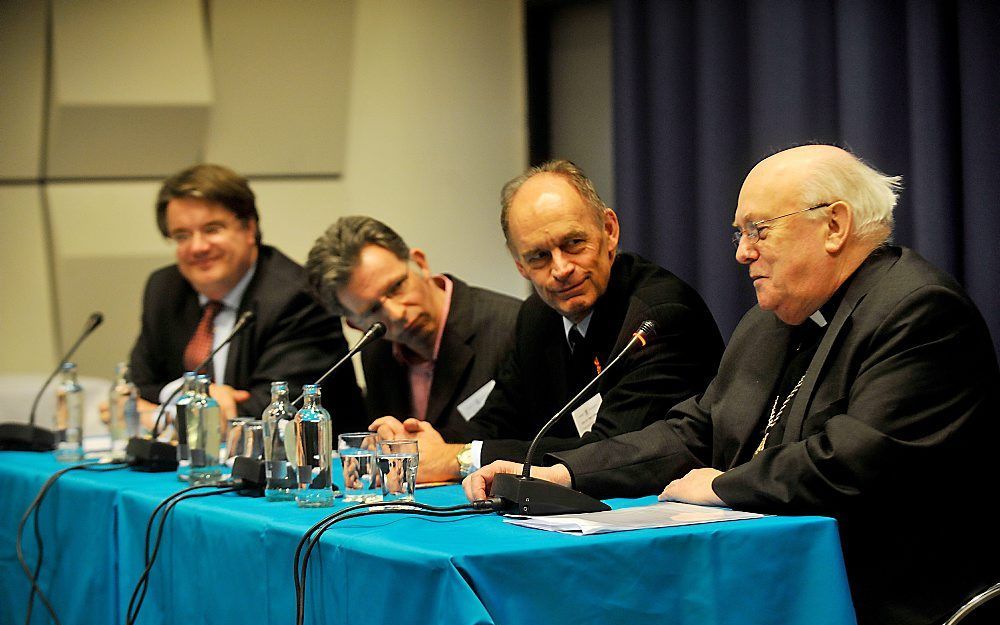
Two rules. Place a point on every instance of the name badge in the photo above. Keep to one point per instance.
(471, 405)
(585, 416)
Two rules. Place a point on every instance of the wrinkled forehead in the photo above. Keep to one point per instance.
(375, 272)
(770, 189)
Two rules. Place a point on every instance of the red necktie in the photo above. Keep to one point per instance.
(200, 345)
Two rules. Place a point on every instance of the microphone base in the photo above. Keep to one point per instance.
(152, 456)
(532, 496)
(26, 437)
(250, 472)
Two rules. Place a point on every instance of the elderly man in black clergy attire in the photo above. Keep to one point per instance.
(861, 388)
(209, 213)
(444, 338)
(589, 299)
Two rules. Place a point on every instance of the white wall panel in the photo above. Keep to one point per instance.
(26, 319)
(281, 76)
(131, 87)
(437, 125)
(105, 244)
(22, 68)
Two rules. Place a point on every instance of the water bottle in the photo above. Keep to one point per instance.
(123, 410)
(313, 451)
(180, 419)
(204, 436)
(69, 416)
(279, 434)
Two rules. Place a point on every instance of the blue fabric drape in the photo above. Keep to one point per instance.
(703, 89)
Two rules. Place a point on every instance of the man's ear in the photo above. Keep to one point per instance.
(612, 230)
(417, 256)
(520, 268)
(839, 226)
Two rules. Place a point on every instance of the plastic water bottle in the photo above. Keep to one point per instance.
(123, 410)
(69, 416)
(204, 435)
(180, 419)
(313, 451)
(279, 440)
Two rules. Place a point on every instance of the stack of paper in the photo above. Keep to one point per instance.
(664, 514)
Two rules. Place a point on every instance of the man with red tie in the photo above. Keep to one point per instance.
(209, 214)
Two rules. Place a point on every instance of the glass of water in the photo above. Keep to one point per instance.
(357, 452)
(245, 438)
(397, 467)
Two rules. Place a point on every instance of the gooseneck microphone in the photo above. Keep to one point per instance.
(375, 331)
(250, 471)
(28, 436)
(149, 454)
(244, 319)
(527, 495)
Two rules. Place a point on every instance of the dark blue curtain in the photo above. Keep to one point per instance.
(703, 89)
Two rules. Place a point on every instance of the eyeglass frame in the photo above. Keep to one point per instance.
(752, 232)
(395, 290)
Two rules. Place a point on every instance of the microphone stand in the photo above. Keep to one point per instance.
(28, 436)
(524, 494)
(153, 456)
(251, 470)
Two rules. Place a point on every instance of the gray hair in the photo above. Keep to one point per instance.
(568, 170)
(871, 194)
(335, 253)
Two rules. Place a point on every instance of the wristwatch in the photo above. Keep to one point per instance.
(464, 458)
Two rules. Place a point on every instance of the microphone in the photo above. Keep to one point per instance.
(28, 436)
(375, 331)
(149, 454)
(250, 471)
(527, 495)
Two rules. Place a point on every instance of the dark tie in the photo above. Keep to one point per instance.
(200, 345)
(581, 368)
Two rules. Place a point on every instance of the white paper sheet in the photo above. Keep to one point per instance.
(663, 514)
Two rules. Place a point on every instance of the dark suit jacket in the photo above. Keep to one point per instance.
(889, 433)
(477, 335)
(533, 384)
(292, 338)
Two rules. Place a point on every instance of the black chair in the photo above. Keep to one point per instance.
(973, 604)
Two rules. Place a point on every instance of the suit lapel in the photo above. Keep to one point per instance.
(753, 392)
(865, 279)
(454, 356)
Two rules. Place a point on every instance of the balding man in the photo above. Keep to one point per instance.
(589, 299)
(859, 388)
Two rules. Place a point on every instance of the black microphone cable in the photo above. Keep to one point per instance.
(314, 533)
(142, 585)
(34, 506)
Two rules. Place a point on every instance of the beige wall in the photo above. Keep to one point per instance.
(424, 125)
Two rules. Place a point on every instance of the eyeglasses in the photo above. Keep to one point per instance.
(392, 293)
(753, 232)
(211, 231)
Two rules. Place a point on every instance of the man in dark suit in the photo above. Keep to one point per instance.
(859, 388)
(444, 338)
(588, 302)
(222, 270)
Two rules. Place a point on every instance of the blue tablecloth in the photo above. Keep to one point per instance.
(227, 559)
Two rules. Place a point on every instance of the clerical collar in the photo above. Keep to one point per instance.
(580, 327)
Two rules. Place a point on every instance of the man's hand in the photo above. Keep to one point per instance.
(695, 487)
(227, 397)
(147, 413)
(388, 428)
(438, 459)
(477, 485)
